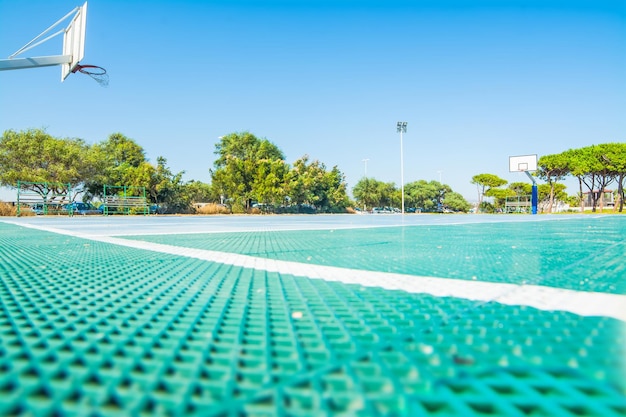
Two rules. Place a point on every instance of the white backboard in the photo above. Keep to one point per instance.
(74, 41)
(523, 163)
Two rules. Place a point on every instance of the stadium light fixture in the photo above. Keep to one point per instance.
(402, 129)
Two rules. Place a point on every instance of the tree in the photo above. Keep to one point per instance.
(499, 195)
(200, 192)
(485, 182)
(456, 202)
(373, 193)
(520, 188)
(301, 180)
(615, 155)
(269, 181)
(312, 184)
(602, 170)
(367, 193)
(593, 168)
(166, 189)
(577, 167)
(34, 156)
(331, 192)
(549, 193)
(552, 168)
(119, 161)
(429, 196)
(235, 170)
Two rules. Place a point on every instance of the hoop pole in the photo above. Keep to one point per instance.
(535, 193)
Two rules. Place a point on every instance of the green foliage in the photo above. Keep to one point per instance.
(269, 180)
(35, 156)
(615, 155)
(486, 207)
(485, 182)
(521, 188)
(308, 183)
(333, 193)
(499, 195)
(456, 202)
(166, 189)
(236, 175)
(250, 169)
(427, 196)
(596, 167)
(119, 161)
(200, 192)
(370, 193)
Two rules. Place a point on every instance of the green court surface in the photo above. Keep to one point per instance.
(89, 327)
(563, 254)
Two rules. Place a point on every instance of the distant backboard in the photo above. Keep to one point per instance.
(74, 41)
(523, 163)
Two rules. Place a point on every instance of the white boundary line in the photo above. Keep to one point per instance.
(543, 298)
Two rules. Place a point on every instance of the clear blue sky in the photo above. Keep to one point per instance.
(477, 81)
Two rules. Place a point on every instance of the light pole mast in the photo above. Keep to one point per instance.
(401, 129)
(365, 160)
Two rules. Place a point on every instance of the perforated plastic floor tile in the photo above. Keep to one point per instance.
(88, 328)
(555, 253)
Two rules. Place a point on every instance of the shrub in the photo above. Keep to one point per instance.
(7, 209)
(213, 208)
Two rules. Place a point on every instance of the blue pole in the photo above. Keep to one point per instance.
(535, 198)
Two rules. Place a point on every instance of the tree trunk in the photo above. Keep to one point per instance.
(620, 192)
(551, 197)
(594, 202)
(582, 196)
(601, 200)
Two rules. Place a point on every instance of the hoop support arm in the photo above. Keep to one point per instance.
(531, 177)
(35, 62)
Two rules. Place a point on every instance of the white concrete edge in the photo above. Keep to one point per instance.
(544, 298)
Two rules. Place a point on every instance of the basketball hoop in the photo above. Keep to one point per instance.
(97, 73)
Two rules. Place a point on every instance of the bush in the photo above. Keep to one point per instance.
(213, 208)
(7, 209)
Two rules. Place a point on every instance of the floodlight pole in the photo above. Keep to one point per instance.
(401, 129)
(365, 161)
(535, 193)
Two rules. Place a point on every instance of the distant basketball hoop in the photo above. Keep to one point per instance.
(97, 73)
(526, 164)
(523, 163)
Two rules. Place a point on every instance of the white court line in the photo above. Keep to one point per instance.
(543, 298)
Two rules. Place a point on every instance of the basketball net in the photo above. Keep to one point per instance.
(97, 73)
